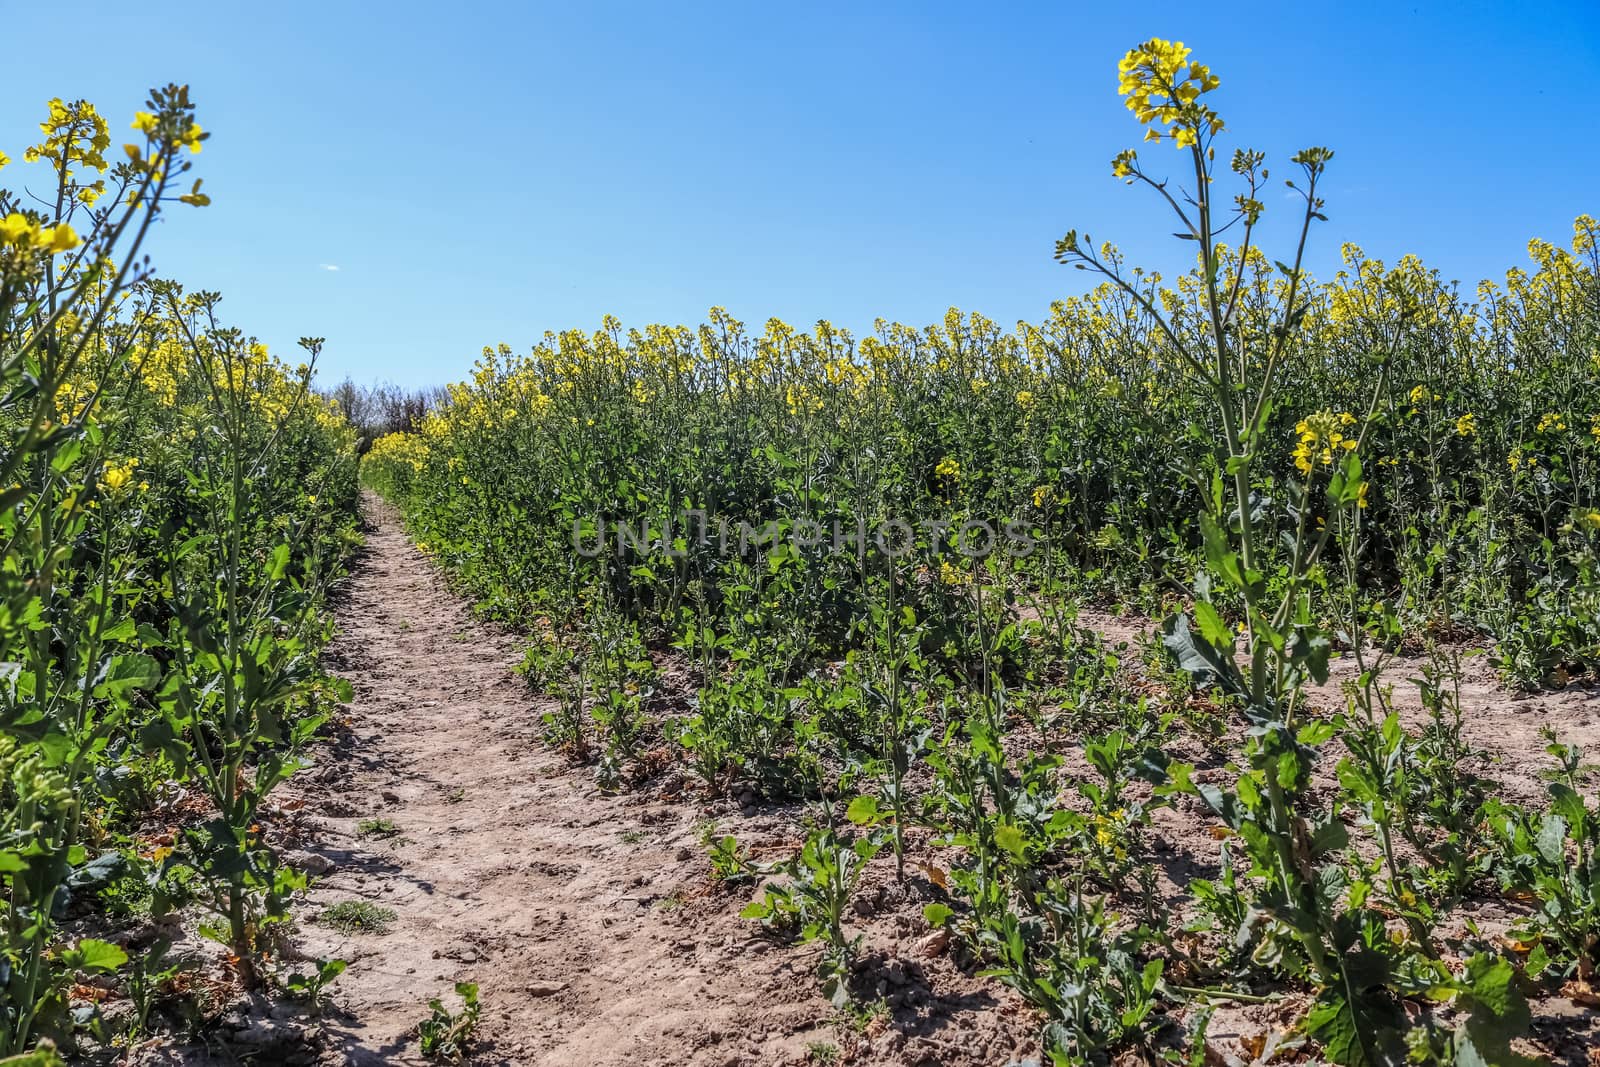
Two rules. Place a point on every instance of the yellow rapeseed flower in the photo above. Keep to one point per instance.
(58, 238)
(17, 229)
(117, 477)
(1321, 437)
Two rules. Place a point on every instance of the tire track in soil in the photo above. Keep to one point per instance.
(509, 869)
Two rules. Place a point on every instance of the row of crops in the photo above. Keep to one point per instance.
(849, 571)
(175, 505)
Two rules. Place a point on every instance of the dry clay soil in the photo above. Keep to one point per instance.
(590, 921)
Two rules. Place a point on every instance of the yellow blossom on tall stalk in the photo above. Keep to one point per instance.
(1321, 438)
(1466, 424)
(1163, 89)
(119, 475)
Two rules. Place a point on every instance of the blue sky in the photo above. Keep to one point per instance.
(484, 172)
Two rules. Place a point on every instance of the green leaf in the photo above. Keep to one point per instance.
(1569, 805)
(94, 955)
(1496, 1011)
(1199, 658)
(133, 671)
(1362, 1034)
(1212, 628)
(937, 914)
(1552, 840)
(863, 810)
(1220, 557)
(1011, 839)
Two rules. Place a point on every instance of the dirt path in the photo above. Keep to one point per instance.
(571, 910)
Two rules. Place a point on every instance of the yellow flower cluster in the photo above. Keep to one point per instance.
(20, 232)
(1467, 425)
(150, 125)
(407, 448)
(948, 468)
(1164, 88)
(119, 476)
(1515, 460)
(74, 134)
(1552, 421)
(1321, 437)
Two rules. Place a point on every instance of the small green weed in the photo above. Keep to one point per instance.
(445, 1035)
(357, 916)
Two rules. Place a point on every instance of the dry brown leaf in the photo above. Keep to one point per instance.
(1582, 993)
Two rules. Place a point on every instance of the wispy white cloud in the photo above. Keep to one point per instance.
(328, 266)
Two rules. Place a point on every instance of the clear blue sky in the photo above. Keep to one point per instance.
(484, 172)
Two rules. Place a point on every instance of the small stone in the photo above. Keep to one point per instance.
(685, 854)
(309, 862)
(544, 989)
(390, 796)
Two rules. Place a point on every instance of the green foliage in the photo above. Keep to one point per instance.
(177, 504)
(1554, 857)
(445, 1035)
(356, 916)
(310, 987)
(811, 902)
